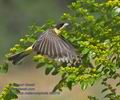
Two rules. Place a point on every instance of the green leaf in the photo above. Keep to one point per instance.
(83, 85)
(11, 96)
(48, 69)
(55, 71)
(39, 65)
(104, 90)
(4, 68)
(91, 81)
(118, 84)
(69, 85)
(92, 98)
(59, 85)
(85, 51)
(109, 95)
(15, 90)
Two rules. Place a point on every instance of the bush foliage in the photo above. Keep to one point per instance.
(95, 32)
(10, 92)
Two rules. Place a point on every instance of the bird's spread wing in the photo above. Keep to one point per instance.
(53, 46)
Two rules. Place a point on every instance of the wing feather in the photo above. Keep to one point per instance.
(54, 47)
(40, 42)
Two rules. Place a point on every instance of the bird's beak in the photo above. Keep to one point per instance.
(66, 24)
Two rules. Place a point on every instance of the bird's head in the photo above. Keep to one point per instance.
(59, 27)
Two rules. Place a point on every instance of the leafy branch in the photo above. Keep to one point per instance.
(9, 92)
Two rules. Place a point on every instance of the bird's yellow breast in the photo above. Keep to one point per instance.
(57, 31)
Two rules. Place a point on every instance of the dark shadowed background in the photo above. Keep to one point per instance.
(15, 17)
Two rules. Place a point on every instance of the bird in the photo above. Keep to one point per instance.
(53, 45)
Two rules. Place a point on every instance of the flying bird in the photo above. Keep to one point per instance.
(51, 44)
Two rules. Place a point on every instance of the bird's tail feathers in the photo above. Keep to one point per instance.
(17, 57)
